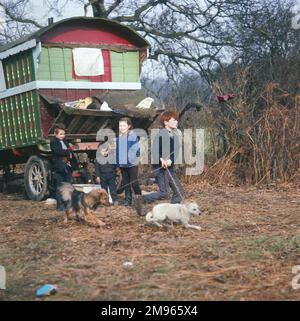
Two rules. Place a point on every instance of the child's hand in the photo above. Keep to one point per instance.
(98, 180)
(163, 163)
(71, 148)
(168, 163)
(118, 171)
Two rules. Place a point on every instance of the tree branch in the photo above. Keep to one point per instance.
(20, 19)
(113, 7)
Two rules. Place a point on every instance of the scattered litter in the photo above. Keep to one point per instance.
(220, 279)
(50, 201)
(128, 265)
(79, 104)
(88, 103)
(87, 189)
(105, 107)
(224, 98)
(145, 103)
(47, 289)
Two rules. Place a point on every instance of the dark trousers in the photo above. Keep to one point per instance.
(166, 179)
(61, 177)
(108, 181)
(129, 178)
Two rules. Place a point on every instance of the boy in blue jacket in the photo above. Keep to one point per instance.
(127, 157)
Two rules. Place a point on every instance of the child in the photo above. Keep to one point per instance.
(164, 171)
(62, 161)
(127, 157)
(105, 170)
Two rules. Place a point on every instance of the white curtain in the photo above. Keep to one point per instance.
(88, 62)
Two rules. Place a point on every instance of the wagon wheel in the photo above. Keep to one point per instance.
(36, 178)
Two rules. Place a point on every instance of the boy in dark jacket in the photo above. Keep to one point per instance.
(164, 169)
(62, 161)
(105, 170)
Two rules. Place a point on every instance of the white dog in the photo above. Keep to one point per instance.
(179, 213)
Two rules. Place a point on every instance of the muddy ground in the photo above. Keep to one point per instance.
(248, 246)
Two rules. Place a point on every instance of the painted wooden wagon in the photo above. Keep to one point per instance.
(64, 62)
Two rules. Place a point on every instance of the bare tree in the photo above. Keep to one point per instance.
(186, 33)
(197, 35)
(15, 22)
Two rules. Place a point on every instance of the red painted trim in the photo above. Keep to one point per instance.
(87, 35)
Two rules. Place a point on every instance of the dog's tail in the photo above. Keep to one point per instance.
(149, 217)
(66, 190)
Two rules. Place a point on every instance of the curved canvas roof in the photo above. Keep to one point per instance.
(92, 21)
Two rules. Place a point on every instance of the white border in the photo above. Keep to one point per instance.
(69, 85)
(18, 90)
(2, 79)
(41, 84)
(12, 51)
(36, 56)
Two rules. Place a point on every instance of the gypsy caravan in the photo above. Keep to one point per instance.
(82, 72)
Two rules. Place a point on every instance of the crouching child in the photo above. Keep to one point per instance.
(105, 169)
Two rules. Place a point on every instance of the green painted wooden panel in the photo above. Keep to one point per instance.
(18, 69)
(55, 64)
(20, 120)
(26, 116)
(125, 66)
(44, 65)
(2, 141)
(3, 137)
(15, 131)
(14, 71)
(117, 66)
(8, 123)
(68, 63)
(131, 67)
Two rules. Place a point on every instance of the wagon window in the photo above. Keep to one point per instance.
(125, 66)
(57, 64)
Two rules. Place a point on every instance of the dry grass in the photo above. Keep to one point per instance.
(249, 243)
(256, 134)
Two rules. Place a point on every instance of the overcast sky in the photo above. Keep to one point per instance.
(68, 9)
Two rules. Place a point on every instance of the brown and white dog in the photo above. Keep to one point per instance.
(81, 205)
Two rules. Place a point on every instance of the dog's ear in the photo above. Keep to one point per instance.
(103, 197)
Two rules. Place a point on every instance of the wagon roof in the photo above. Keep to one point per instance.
(80, 21)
